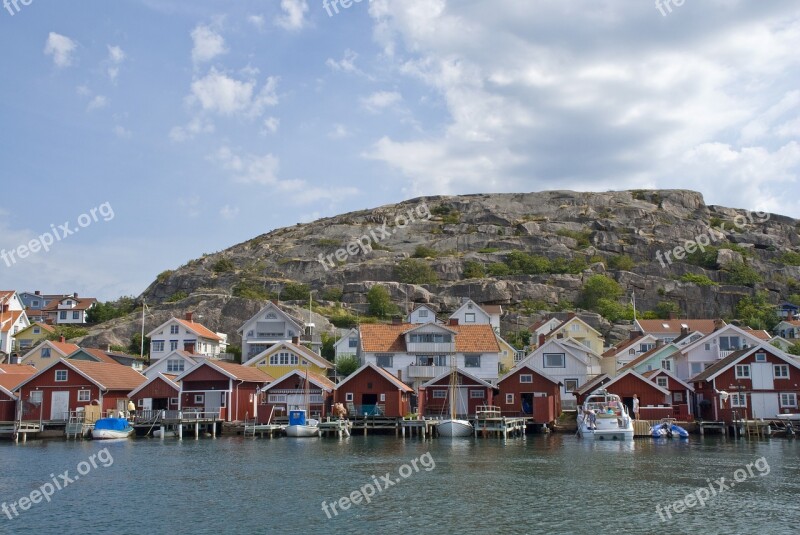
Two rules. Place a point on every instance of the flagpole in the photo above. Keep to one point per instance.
(141, 350)
(633, 299)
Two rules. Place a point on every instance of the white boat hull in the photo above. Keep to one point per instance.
(107, 434)
(454, 428)
(615, 434)
(302, 431)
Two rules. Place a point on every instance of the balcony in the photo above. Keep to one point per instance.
(426, 372)
(431, 348)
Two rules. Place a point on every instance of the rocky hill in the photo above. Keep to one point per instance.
(473, 244)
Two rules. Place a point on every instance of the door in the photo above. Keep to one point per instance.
(214, 400)
(526, 400)
(369, 404)
(765, 405)
(762, 376)
(147, 404)
(59, 406)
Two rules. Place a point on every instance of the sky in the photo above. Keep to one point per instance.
(136, 135)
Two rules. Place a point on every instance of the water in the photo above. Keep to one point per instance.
(545, 484)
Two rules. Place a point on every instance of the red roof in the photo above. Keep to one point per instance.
(242, 373)
(81, 303)
(9, 319)
(17, 369)
(111, 376)
(675, 326)
(65, 347)
(101, 355)
(200, 329)
(10, 381)
(382, 338)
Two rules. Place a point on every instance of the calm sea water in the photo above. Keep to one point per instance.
(545, 484)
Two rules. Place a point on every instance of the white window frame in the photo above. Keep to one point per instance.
(84, 395)
(469, 317)
(140, 402)
(526, 378)
(65, 376)
(390, 359)
(469, 361)
(383, 398)
(158, 346)
(348, 397)
(788, 400)
(199, 398)
(663, 382)
(743, 371)
(509, 399)
(174, 329)
(173, 401)
(677, 397)
(567, 390)
(761, 357)
(175, 365)
(562, 356)
(739, 400)
(274, 399)
(477, 394)
(439, 394)
(36, 397)
(423, 313)
(778, 375)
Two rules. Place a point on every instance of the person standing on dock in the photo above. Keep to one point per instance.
(635, 407)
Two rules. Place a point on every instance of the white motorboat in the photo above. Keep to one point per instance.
(454, 427)
(108, 428)
(788, 417)
(300, 427)
(603, 416)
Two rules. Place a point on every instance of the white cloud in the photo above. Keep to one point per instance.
(293, 17)
(61, 48)
(116, 56)
(229, 212)
(196, 126)
(97, 103)
(219, 93)
(381, 100)
(339, 131)
(346, 64)
(190, 205)
(122, 132)
(257, 21)
(208, 44)
(271, 125)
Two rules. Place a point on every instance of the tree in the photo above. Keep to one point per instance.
(380, 302)
(794, 349)
(599, 287)
(757, 312)
(473, 270)
(414, 271)
(294, 291)
(346, 364)
(110, 310)
(666, 308)
(328, 351)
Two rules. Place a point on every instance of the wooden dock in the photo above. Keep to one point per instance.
(14, 430)
(703, 426)
(422, 428)
(146, 421)
(490, 422)
(340, 428)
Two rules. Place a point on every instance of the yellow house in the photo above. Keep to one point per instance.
(31, 335)
(581, 332)
(507, 355)
(48, 352)
(285, 357)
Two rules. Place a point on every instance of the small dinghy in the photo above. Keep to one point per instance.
(668, 430)
(106, 428)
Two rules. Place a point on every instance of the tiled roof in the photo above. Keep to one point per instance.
(388, 376)
(761, 335)
(620, 346)
(10, 381)
(100, 354)
(641, 358)
(381, 338)
(111, 376)
(65, 347)
(9, 319)
(243, 373)
(674, 326)
(81, 303)
(199, 328)
(17, 369)
(711, 370)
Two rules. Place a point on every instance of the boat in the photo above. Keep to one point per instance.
(603, 416)
(668, 429)
(108, 428)
(300, 426)
(453, 427)
(788, 417)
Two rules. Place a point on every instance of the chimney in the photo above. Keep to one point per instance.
(671, 315)
(635, 334)
(296, 340)
(5, 308)
(37, 292)
(189, 347)
(400, 374)
(684, 331)
(453, 321)
(189, 316)
(397, 320)
(75, 295)
(62, 339)
(718, 324)
(542, 338)
(659, 342)
(570, 315)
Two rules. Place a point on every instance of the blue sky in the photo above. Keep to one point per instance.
(206, 123)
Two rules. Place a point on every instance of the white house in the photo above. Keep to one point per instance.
(422, 314)
(347, 345)
(701, 354)
(173, 363)
(470, 313)
(12, 320)
(269, 326)
(627, 350)
(416, 353)
(187, 335)
(69, 310)
(566, 361)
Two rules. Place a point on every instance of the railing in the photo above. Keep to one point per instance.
(366, 410)
(433, 348)
(426, 372)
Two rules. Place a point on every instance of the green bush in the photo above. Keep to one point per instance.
(700, 280)
(423, 251)
(380, 302)
(332, 294)
(294, 291)
(223, 265)
(498, 269)
(164, 276)
(790, 258)
(666, 308)
(473, 270)
(488, 250)
(705, 259)
(741, 274)
(249, 289)
(346, 364)
(599, 287)
(612, 310)
(415, 271)
(583, 237)
(177, 296)
(621, 262)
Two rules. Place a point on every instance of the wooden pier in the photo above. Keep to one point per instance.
(175, 421)
(422, 428)
(714, 426)
(13, 430)
(253, 429)
(489, 422)
(340, 428)
(374, 423)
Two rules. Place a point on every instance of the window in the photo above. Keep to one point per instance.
(76, 315)
(439, 394)
(199, 398)
(789, 399)
(554, 360)
(644, 348)
(174, 329)
(157, 345)
(729, 343)
(283, 358)
(352, 342)
(743, 371)
(384, 361)
(223, 399)
(383, 398)
(677, 397)
(526, 378)
(469, 317)
(781, 371)
(696, 367)
(708, 346)
(140, 403)
(45, 352)
(61, 376)
(277, 398)
(631, 351)
(423, 313)
(34, 304)
(477, 394)
(738, 400)
(472, 361)
(36, 397)
(37, 330)
(175, 365)
(662, 382)
(570, 385)
(666, 365)
(761, 357)
(84, 395)
(63, 314)
(509, 399)
(574, 327)
(173, 401)
(430, 338)
(432, 360)
(173, 345)
(348, 396)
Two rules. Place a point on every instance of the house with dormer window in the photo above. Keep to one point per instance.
(701, 354)
(470, 313)
(284, 357)
(69, 310)
(422, 314)
(270, 326)
(186, 335)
